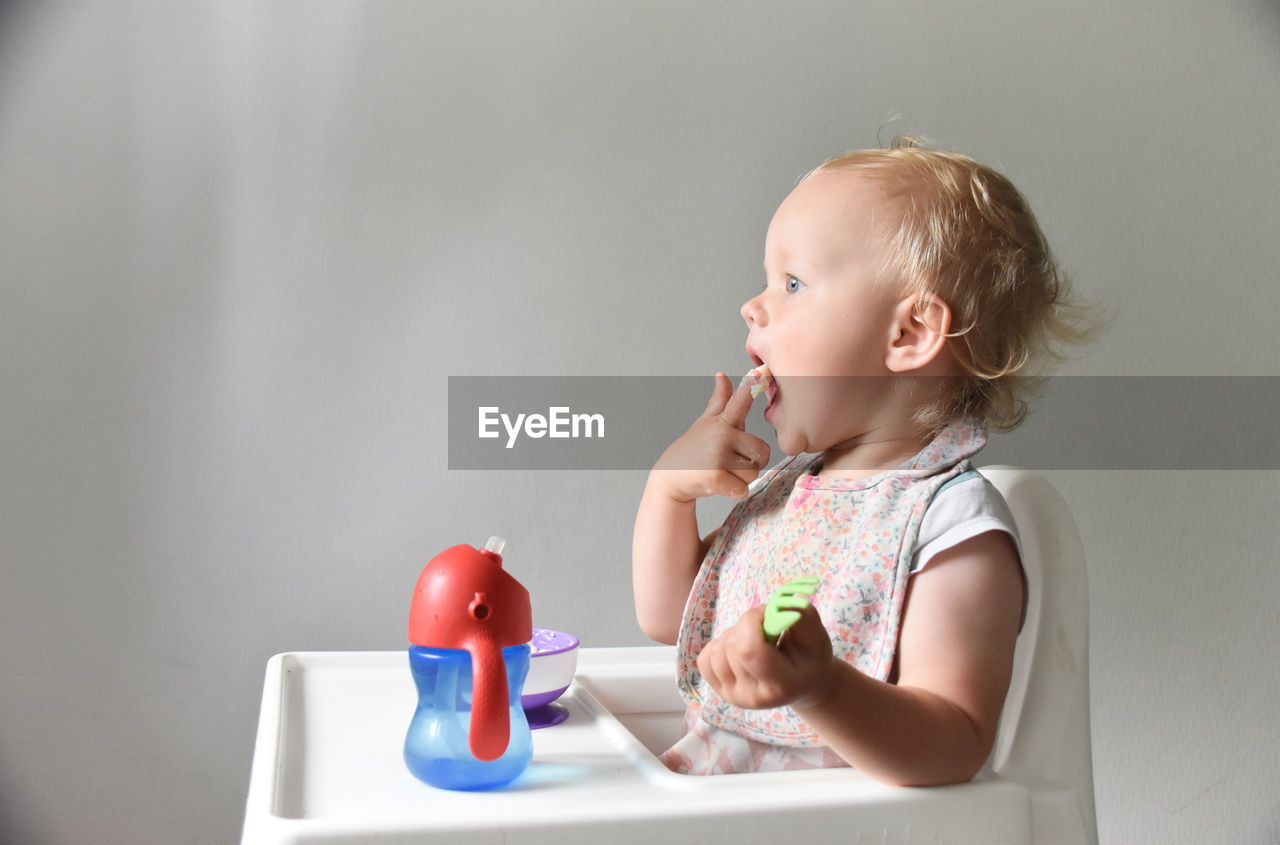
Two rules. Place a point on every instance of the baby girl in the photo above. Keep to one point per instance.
(908, 292)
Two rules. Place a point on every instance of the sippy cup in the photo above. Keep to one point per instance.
(470, 625)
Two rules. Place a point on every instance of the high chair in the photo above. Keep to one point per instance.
(327, 764)
(1042, 752)
(1044, 736)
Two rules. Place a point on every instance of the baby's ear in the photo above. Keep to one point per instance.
(919, 333)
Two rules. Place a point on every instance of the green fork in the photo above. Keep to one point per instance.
(783, 609)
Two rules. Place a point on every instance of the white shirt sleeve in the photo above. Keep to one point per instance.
(963, 510)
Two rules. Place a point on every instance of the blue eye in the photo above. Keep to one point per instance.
(794, 284)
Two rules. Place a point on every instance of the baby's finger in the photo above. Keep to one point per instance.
(719, 396)
(714, 667)
(754, 450)
(746, 472)
(730, 483)
(807, 636)
(721, 483)
(735, 410)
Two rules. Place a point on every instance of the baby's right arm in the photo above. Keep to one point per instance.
(716, 456)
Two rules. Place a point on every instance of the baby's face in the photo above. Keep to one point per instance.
(826, 314)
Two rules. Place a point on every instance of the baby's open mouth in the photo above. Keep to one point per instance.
(761, 380)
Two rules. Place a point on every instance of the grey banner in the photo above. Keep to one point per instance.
(1078, 422)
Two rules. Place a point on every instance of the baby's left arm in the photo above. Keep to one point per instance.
(955, 655)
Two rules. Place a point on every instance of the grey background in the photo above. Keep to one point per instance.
(244, 245)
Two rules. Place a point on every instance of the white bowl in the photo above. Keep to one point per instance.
(552, 664)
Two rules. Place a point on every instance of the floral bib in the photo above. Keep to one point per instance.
(855, 535)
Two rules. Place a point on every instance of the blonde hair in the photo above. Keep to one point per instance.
(968, 237)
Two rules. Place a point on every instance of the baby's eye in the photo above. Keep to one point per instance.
(794, 284)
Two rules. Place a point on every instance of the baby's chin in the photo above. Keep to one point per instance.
(790, 444)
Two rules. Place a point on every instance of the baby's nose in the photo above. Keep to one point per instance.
(753, 312)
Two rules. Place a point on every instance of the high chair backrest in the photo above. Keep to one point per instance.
(1044, 733)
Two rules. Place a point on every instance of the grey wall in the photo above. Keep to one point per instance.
(243, 245)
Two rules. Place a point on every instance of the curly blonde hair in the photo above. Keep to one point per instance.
(968, 237)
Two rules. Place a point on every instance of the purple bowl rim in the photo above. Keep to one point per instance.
(538, 699)
(546, 652)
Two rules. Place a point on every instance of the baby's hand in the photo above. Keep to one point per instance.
(748, 672)
(716, 456)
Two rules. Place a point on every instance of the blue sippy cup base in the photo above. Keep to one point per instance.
(436, 748)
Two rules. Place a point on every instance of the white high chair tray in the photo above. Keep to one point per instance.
(328, 768)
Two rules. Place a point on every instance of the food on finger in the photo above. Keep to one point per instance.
(759, 378)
